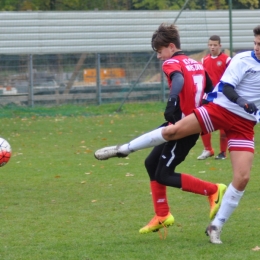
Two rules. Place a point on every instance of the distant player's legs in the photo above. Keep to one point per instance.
(222, 145)
(223, 141)
(208, 150)
(206, 139)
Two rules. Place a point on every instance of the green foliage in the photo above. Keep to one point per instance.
(58, 202)
(193, 5)
(216, 5)
(81, 5)
(64, 5)
(252, 4)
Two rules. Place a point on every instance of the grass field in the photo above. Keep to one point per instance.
(58, 202)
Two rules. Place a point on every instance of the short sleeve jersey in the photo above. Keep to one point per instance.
(243, 73)
(215, 66)
(194, 81)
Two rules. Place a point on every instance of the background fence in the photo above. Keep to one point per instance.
(58, 79)
(96, 57)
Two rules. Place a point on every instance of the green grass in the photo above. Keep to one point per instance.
(58, 202)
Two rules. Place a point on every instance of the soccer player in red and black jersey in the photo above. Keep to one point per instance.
(215, 63)
(187, 81)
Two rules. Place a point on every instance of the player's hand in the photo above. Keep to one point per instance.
(249, 107)
(170, 109)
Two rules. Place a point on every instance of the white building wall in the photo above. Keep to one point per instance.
(126, 31)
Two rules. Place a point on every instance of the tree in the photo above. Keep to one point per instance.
(193, 4)
(85, 5)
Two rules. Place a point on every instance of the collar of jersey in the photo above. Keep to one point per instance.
(214, 57)
(178, 53)
(253, 56)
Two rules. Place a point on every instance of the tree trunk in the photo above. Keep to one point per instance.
(75, 72)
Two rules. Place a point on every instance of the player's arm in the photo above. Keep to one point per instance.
(177, 84)
(208, 88)
(228, 61)
(231, 94)
(209, 85)
(176, 87)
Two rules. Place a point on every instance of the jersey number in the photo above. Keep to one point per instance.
(198, 81)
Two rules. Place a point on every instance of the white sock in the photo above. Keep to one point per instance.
(147, 140)
(229, 202)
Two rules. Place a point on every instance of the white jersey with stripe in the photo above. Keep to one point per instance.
(243, 73)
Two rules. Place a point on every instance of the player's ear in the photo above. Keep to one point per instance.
(172, 46)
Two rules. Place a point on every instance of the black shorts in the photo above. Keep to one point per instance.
(167, 156)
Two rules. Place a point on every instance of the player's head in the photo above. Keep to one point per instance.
(214, 45)
(257, 41)
(166, 41)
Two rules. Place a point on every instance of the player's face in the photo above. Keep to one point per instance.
(166, 53)
(214, 48)
(257, 46)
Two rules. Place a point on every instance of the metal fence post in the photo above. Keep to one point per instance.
(30, 96)
(98, 80)
(230, 28)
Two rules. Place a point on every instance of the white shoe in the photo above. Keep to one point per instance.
(214, 234)
(205, 154)
(109, 152)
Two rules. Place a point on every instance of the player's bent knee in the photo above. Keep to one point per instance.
(169, 132)
(168, 178)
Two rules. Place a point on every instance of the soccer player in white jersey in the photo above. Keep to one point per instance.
(234, 108)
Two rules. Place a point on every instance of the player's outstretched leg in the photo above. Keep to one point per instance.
(216, 199)
(109, 152)
(150, 139)
(156, 223)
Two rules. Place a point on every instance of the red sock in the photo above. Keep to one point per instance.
(206, 139)
(223, 141)
(159, 195)
(192, 184)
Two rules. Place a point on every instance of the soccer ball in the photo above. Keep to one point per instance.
(5, 152)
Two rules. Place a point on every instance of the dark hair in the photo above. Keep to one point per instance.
(215, 38)
(256, 30)
(164, 35)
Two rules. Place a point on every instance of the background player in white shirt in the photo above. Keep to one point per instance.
(234, 108)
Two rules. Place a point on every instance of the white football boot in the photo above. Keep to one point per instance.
(109, 152)
(205, 154)
(214, 234)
